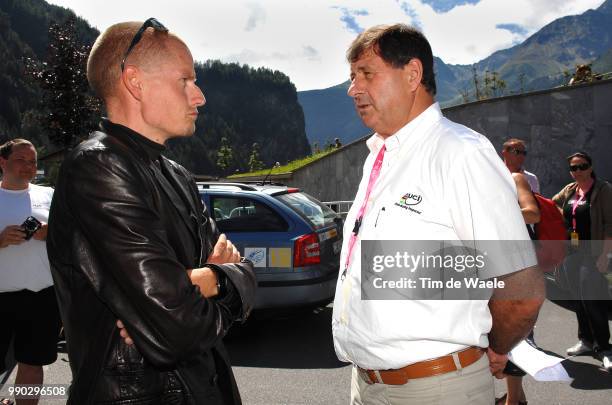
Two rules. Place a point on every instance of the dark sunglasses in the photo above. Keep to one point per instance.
(582, 166)
(151, 22)
(517, 151)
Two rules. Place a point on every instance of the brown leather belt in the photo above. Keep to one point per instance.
(426, 368)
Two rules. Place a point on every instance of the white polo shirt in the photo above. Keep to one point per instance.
(466, 193)
(25, 266)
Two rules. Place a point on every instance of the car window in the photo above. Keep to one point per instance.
(319, 214)
(238, 214)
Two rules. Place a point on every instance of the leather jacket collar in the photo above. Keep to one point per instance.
(142, 145)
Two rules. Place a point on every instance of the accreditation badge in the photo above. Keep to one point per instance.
(575, 240)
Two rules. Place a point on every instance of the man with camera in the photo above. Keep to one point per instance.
(28, 307)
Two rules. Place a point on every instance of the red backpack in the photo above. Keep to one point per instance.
(551, 230)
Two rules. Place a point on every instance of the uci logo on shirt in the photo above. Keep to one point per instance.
(409, 200)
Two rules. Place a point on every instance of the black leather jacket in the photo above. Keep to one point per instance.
(122, 232)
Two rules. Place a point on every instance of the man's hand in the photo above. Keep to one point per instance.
(206, 279)
(497, 363)
(123, 332)
(11, 235)
(224, 252)
(41, 234)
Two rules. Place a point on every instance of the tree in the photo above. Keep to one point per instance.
(476, 85)
(71, 111)
(225, 156)
(465, 95)
(492, 86)
(255, 162)
(521, 78)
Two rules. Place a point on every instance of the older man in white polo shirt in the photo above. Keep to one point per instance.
(426, 178)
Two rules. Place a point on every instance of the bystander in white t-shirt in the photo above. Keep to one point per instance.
(532, 179)
(25, 266)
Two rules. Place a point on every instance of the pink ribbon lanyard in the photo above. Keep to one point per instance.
(371, 182)
(575, 206)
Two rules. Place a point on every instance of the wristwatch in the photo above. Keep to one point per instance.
(221, 283)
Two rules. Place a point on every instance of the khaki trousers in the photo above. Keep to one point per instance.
(473, 385)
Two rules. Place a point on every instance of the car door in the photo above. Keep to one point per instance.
(261, 232)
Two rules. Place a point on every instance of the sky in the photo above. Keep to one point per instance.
(307, 39)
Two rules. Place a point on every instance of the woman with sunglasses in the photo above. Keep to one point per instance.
(586, 205)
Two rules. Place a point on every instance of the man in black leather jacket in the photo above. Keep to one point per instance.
(146, 286)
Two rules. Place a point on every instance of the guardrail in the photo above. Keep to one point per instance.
(341, 207)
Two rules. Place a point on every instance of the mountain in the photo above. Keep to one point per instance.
(603, 64)
(557, 47)
(275, 121)
(448, 77)
(332, 115)
(244, 105)
(542, 61)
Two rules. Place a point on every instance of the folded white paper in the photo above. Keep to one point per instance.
(536, 363)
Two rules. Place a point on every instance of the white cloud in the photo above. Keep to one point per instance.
(307, 39)
(257, 16)
(473, 27)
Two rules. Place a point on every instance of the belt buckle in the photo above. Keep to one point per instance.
(365, 376)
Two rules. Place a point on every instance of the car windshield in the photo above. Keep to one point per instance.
(320, 215)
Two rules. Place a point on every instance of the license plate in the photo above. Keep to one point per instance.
(332, 233)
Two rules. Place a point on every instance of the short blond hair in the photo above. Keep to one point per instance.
(104, 62)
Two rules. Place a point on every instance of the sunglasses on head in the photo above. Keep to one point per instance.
(582, 166)
(151, 22)
(517, 151)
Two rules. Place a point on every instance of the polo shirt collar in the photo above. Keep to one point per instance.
(431, 115)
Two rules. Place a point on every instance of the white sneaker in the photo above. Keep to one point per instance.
(579, 348)
(606, 359)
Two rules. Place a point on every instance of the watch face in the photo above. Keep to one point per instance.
(220, 283)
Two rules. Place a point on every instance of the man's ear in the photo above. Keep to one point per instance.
(414, 73)
(131, 78)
